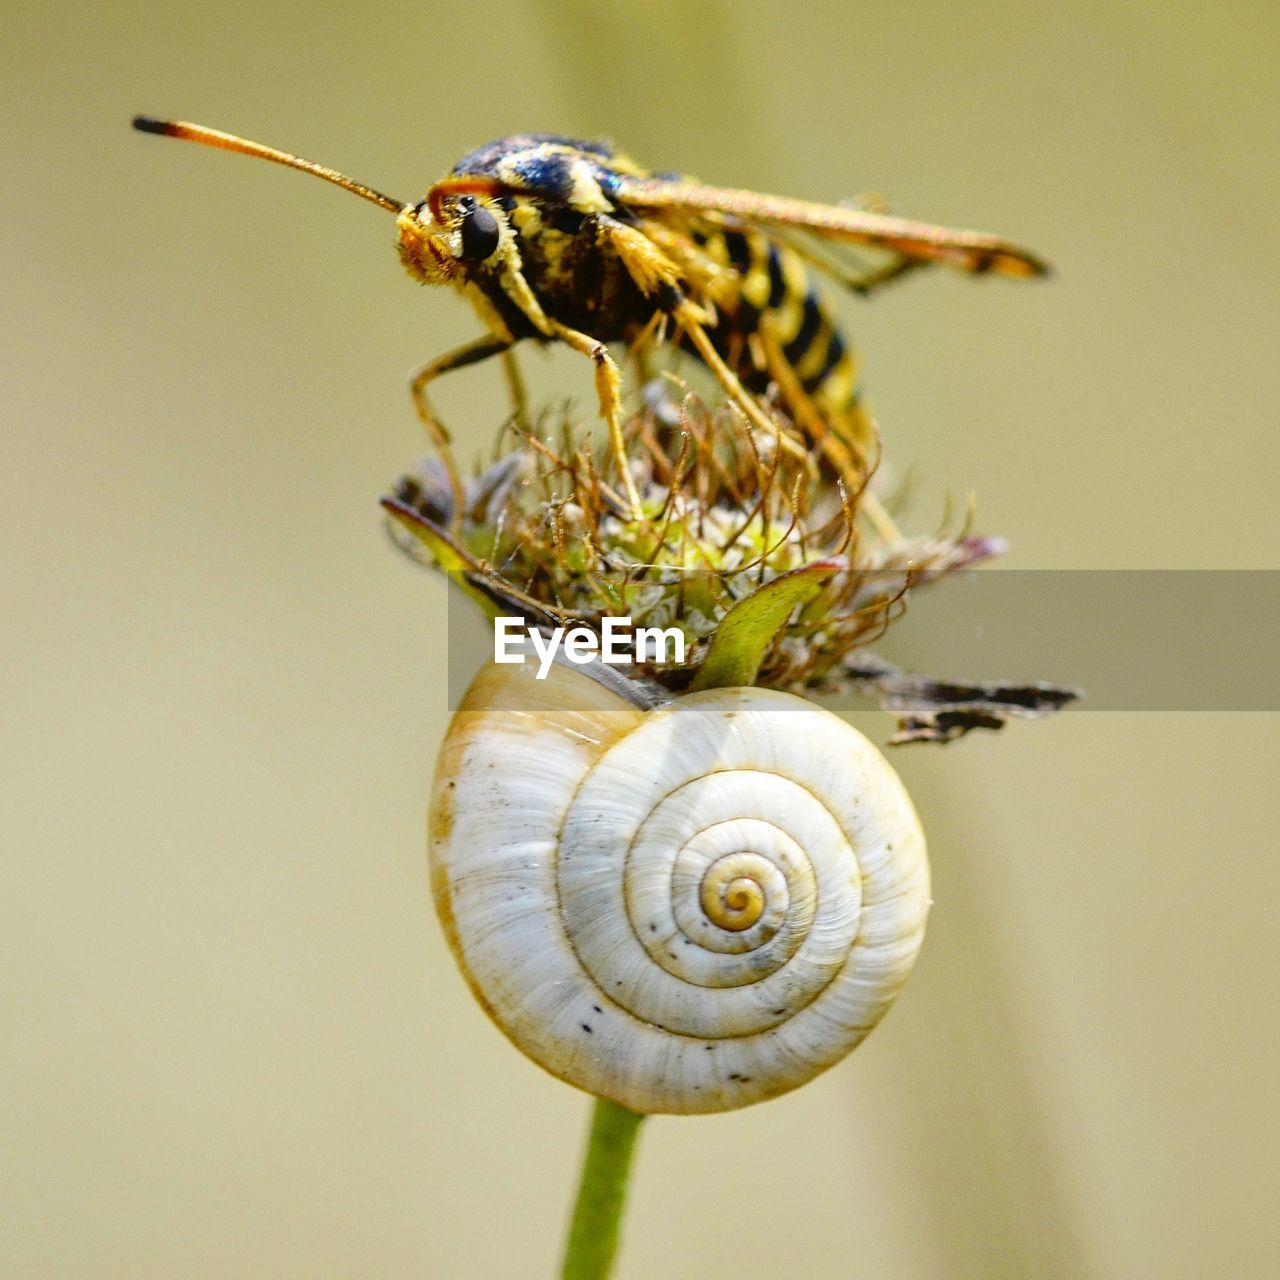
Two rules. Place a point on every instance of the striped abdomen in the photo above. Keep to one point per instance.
(778, 299)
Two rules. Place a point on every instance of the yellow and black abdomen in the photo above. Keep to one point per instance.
(778, 300)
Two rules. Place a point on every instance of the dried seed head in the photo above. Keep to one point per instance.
(723, 516)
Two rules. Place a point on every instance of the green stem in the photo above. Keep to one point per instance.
(593, 1232)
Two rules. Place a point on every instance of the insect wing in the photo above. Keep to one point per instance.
(969, 250)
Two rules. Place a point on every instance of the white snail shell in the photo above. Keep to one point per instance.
(684, 909)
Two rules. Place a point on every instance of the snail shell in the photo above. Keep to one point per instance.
(684, 909)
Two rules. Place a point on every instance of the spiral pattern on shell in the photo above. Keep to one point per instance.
(687, 909)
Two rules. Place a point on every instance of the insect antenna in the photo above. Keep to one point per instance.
(229, 142)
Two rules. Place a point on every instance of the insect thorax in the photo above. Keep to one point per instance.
(576, 279)
(581, 282)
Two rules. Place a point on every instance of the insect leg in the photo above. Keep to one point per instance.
(609, 390)
(515, 383)
(640, 348)
(690, 321)
(850, 464)
(659, 277)
(844, 438)
(470, 353)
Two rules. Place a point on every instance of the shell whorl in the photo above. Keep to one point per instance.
(685, 909)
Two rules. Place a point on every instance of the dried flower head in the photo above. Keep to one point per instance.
(725, 516)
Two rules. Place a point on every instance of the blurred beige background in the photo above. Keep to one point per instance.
(234, 1043)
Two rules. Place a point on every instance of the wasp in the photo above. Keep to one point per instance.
(557, 239)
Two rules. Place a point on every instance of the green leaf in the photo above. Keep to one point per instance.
(745, 633)
(454, 559)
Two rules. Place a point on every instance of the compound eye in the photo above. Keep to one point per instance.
(480, 234)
